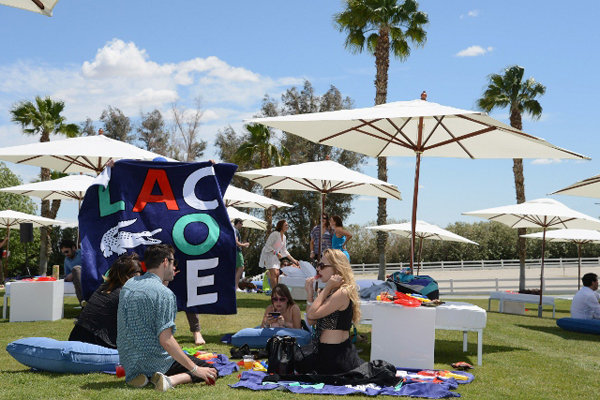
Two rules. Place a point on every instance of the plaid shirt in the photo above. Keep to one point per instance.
(315, 235)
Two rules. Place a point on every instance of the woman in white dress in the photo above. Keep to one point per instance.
(274, 250)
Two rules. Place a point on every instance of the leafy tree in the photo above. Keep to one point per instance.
(510, 90)
(117, 125)
(44, 118)
(186, 144)
(382, 27)
(87, 128)
(152, 132)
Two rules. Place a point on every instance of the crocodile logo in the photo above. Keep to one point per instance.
(115, 241)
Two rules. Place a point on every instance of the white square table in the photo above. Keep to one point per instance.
(36, 301)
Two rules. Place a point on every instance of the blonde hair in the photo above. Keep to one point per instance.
(339, 262)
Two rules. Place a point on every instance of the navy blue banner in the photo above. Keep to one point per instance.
(180, 204)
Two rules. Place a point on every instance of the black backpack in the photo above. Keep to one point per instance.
(281, 350)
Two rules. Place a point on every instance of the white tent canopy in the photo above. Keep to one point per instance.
(250, 221)
(81, 154)
(236, 197)
(44, 7)
(71, 187)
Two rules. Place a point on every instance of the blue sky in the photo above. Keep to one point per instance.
(140, 56)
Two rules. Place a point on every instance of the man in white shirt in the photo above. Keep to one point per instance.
(585, 303)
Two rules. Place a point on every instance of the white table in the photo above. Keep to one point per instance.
(403, 336)
(69, 292)
(36, 301)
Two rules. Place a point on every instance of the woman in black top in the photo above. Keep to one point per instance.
(97, 323)
(333, 312)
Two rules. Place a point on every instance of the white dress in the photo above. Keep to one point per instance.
(274, 245)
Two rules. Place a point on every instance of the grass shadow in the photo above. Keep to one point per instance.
(253, 303)
(557, 331)
(106, 385)
(450, 351)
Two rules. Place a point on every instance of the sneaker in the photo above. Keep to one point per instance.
(161, 382)
(139, 381)
(240, 290)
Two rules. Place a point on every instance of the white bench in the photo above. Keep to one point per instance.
(69, 292)
(520, 298)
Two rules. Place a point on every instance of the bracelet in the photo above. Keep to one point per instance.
(194, 369)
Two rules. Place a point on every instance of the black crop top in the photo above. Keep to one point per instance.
(337, 320)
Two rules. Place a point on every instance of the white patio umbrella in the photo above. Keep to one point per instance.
(324, 177)
(589, 187)
(236, 197)
(423, 230)
(81, 154)
(417, 128)
(72, 187)
(44, 7)
(576, 236)
(11, 219)
(250, 221)
(539, 213)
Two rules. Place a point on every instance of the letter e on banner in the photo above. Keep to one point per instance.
(194, 282)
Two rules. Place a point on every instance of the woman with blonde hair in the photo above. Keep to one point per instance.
(333, 311)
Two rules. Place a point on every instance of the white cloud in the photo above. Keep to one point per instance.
(474, 51)
(546, 161)
(473, 13)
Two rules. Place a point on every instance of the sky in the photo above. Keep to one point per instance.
(141, 56)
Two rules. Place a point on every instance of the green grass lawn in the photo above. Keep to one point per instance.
(524, 357)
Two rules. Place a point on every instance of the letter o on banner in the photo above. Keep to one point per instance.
(196, 249)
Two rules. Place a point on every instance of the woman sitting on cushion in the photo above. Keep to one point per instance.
(282, 303)
(97, 323)
(333, 312)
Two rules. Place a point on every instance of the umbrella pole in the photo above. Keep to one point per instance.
(78, 237)
(414, 210)
(542, 272)
(321, 226)
(420, 254)
(579, 267)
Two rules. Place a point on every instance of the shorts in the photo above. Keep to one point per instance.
(239, 259)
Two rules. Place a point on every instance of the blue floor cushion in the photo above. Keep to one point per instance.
(580, 325)
(56, 356)
(256, 338)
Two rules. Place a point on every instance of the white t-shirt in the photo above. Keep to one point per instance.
(585, 304)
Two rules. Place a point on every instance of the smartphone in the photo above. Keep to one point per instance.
(275, 315)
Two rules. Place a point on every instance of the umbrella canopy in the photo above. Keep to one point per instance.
(250, 221)
(589, 187)
(540, 213)
(417, 128)
(423, 230)
(242, 198)
(11, 219)
(323, 177)
(44, 7)
(72, 187)
(576, 236)
(81, 154)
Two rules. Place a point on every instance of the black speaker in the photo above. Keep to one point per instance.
(26, 232)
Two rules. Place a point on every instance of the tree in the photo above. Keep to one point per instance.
(117, 125)
(509, 90)
(87, 128)
(186, 130)
(43, 118)
(382, 27)
(152, 132)
(261, 153)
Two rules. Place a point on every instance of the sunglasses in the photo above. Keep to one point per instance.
(66, 252)
(322, 265)
(174, 261)
(278, 299)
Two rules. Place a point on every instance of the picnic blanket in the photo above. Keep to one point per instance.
(253, 380)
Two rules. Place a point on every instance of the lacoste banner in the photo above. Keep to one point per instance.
(146, 203)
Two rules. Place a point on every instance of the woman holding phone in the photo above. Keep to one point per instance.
(283, 311)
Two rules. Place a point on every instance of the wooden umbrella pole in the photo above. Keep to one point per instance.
(542, 273)
(321, 226)
(418, 153)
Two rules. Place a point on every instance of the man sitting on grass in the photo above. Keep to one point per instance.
(145, 327)
(585, 302)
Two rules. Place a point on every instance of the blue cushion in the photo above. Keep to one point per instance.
(580, 325)
(256, 338)
(55, 356)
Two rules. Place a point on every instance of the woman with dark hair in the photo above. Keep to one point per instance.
(341, 237)
(315, 237)
(97, 323)
(274, 250)
(282, 303)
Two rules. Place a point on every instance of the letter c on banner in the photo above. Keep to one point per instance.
(196, 249)
(189, 188)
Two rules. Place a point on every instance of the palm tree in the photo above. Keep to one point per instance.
(259, 149)
(43, 118)
(382, 27)
(509, 90)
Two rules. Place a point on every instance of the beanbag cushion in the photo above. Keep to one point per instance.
(256, 338)
(292, 271)
(580, 325)
(56, 356)
(307, 269)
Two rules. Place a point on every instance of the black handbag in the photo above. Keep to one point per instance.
(281, 351)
